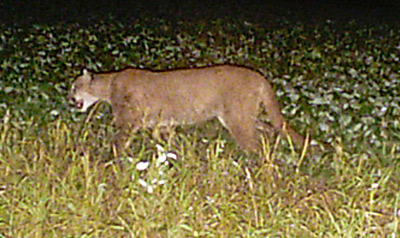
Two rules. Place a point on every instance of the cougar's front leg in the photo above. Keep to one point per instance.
(125, 124)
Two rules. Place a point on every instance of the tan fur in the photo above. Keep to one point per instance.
(143, 98)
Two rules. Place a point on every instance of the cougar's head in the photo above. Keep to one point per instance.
(82, 93)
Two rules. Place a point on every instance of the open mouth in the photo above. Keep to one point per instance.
(79, 104)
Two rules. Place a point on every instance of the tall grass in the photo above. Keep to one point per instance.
(58, 172)
(56, 184)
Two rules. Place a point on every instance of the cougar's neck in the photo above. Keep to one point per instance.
(101, 86)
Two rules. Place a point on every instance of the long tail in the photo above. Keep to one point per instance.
(276, 117)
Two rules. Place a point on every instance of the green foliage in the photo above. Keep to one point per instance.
(59, 178)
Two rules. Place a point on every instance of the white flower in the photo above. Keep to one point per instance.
(154, 181)
(146, 185)
(142, 182)
(160, 148)
(161, 182)
(162, 158)
(172, 156)
(142, 165)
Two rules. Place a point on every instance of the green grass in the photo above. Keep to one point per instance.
(64, 186)
(58, 176)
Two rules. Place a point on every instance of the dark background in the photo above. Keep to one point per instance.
(368, 12)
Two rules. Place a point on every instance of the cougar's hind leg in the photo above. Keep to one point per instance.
(279, 122)
(266, 130)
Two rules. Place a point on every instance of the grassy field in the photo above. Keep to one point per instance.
(58, 176)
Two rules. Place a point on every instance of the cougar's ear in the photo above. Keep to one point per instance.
(86, 74)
